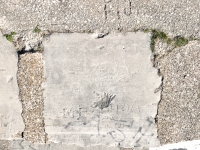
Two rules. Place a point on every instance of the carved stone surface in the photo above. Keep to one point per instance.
(11, 122)
(100, 91)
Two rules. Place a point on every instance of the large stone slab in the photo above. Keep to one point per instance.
(11, 121)
(100, 91)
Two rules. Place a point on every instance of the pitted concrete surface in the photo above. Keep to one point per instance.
(100, 91)
(30, 77)
(176, 17)
(178, 110)
(11, 123)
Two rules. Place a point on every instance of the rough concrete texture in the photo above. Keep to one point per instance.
(100, 91)
(11, 122)
(4, 145)
(176, 17)
(178, 110)
(30, 77)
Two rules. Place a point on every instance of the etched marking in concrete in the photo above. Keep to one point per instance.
(11, 122)
(100, 91)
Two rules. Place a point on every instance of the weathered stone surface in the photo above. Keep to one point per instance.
(176, 17)
(178, 110)
(30, 77)
(11, 122)
(100, 91)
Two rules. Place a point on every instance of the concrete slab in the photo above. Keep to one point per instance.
(11, 121)
(100, 91)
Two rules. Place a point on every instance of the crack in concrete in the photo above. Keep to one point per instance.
(105, 12)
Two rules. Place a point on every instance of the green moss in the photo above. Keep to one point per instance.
(180, 41)
(9, 37)
(169, 41)
(152, 45)
(147, 30)
(159, 35)
(156, 34)
(175, 42)
(37, 30)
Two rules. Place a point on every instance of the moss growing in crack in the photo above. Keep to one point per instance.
(153, 45)
(175, 42)
(9, 37)
(147, 30)
(156, 34)
(159, 35)
(37, 30)
(180, 41)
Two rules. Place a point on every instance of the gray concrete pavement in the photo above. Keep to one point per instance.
(174, 17)
(11, 122)
(100, 91)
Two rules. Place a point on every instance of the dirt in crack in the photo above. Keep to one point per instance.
(30, 77)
